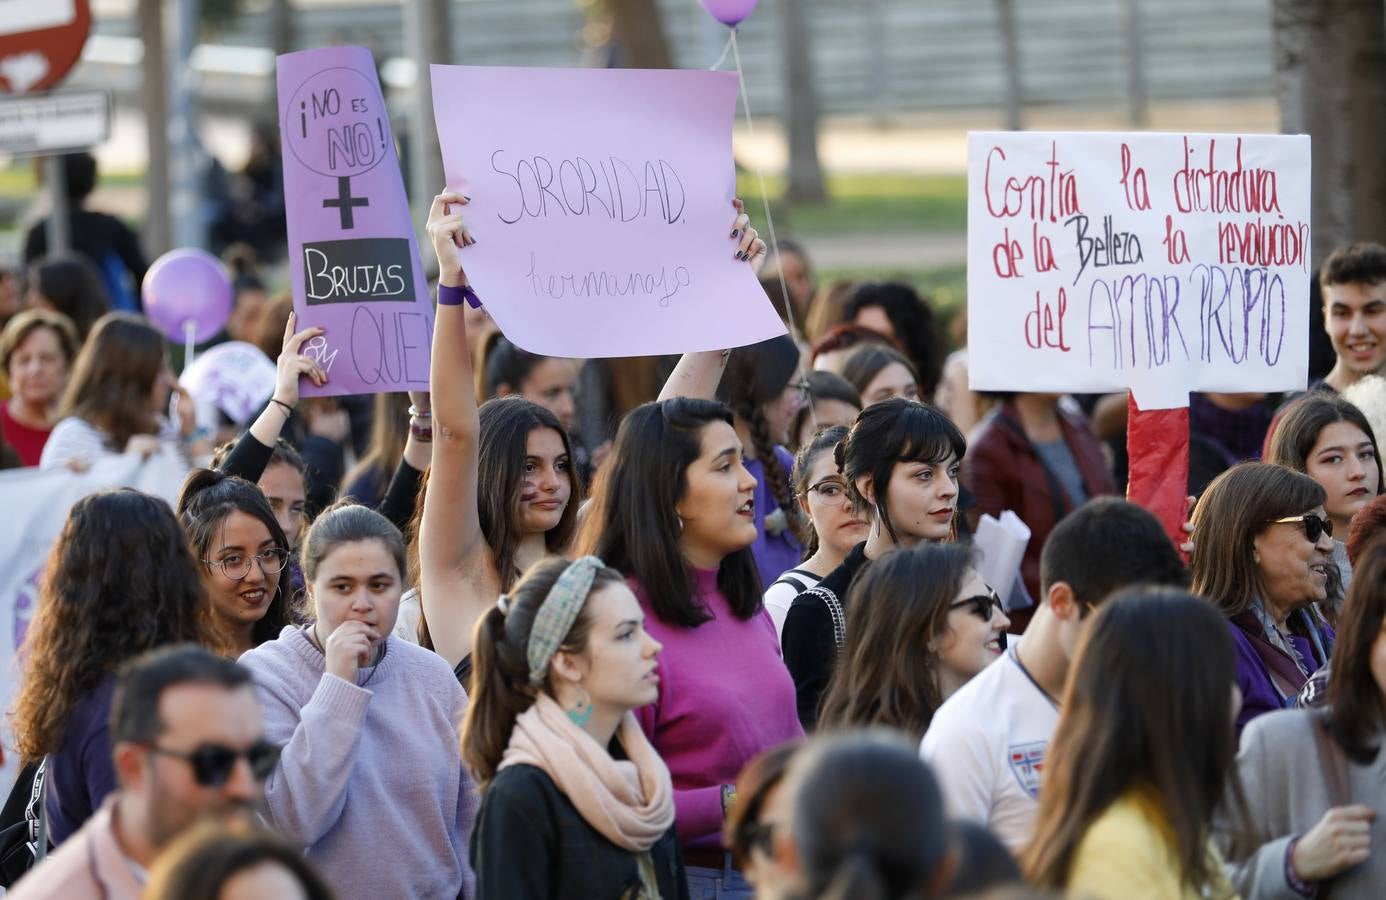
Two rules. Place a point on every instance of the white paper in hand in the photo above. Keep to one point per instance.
(999, 546)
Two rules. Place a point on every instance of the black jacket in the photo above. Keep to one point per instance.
(807, 641)
(531, 843)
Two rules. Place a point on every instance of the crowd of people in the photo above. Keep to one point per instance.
(699, 627)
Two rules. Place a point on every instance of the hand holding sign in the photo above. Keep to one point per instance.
(449, 235)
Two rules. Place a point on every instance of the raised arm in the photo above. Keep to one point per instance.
(698, 374)
(251, 454)
(458, 579)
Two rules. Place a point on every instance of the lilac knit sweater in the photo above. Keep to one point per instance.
(371, 781)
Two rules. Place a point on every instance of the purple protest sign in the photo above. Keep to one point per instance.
(353, 259)
(601, 205)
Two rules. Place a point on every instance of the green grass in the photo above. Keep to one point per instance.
(17, 180)
(874, 203)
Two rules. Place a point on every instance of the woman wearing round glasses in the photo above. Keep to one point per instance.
(835, 527)
(242, 552)
(1264, 547)
(920, 624)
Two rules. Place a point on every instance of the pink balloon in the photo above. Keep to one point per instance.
(187, 285)
(729, 12)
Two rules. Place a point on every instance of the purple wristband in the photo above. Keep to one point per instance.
(1292, 877)
(453, 296)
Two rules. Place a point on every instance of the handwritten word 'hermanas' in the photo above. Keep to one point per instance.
(662, 283)
(609, 187)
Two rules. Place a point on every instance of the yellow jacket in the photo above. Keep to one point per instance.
(1127, 854)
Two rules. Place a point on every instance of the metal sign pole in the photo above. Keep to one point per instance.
(57, 230)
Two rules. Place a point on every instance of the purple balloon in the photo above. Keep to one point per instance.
(187, 285)
(729, 12)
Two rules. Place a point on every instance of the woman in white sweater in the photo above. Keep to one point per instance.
(371, 781)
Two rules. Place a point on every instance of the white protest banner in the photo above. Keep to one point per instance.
(601, 201)
(36, 505)
(1162, 263)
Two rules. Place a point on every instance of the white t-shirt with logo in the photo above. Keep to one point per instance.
(987, 744)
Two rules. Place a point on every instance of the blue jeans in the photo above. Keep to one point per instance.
(725, 883)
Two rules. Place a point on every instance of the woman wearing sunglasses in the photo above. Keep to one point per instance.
(1263, 554)
(368, 725)
(835, 527)
(920, 624)
(242, 552)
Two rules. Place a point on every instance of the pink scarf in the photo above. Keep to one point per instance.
(630, 802)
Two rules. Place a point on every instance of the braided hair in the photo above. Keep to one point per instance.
(756, 375)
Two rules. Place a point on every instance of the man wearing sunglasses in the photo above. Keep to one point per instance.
(988, 741)
(188, 743)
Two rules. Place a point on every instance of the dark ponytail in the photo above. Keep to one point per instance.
(208, 498)
(500, 688)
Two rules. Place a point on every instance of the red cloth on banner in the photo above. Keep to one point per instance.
(1157, 441)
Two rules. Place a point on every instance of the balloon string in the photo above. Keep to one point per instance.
(189, 343)
(769, 220)
(726, 48)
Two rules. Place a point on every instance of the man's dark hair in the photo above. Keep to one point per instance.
(1363, 263)
(143, 680)
(1105, 545)
(79, 172)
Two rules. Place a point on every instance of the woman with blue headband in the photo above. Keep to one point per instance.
(576, 803)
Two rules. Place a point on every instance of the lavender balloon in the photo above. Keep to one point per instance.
(187, 286)
(729, 12)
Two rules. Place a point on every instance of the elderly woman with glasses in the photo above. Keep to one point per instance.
(1263, 555)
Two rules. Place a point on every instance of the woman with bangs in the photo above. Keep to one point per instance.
(900, 463)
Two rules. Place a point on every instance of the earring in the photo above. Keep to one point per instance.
(581, 713)
(680, 521)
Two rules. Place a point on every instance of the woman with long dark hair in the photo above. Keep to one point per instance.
(1313, 777)
(1142, 755)
(474, 542)
(576, 803)
(119, 581)
(673, 510)
(243, 554)
(900, 463)
(920, 623)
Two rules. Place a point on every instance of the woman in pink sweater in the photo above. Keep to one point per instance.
(673, 509)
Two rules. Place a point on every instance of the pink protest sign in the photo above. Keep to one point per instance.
(601, 205)
(353, 259)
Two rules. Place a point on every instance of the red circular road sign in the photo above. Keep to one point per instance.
(40, 42)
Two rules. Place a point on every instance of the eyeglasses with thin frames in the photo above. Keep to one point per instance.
(236, 567)
(831, 491)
